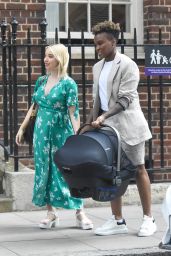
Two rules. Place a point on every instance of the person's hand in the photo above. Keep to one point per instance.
(98, 121)
(19, 139)
(86, 129)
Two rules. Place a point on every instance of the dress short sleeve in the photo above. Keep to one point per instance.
(72, 95)
(39, 81)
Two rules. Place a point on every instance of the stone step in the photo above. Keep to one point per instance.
(5, 204)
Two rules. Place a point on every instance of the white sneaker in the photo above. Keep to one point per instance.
(112, 227)
(148, 226)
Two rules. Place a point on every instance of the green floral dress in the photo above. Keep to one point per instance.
(52, 128)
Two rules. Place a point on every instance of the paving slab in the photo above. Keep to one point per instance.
(21, 236)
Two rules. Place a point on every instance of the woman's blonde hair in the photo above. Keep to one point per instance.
(61, 54)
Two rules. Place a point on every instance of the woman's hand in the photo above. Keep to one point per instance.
(74, 120)
(19, 139)
(98, 121)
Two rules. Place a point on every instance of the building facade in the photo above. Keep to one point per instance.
(151, 18)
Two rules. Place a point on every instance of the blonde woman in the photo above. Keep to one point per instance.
(58, 117)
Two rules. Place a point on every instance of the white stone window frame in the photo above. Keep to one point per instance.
(136, 21)
(136, 18)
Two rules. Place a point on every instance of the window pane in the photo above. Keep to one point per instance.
(62, 17)
(99, 13)
(55, 15)
(121, 14)
(77, 17)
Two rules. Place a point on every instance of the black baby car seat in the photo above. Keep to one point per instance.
(94, 164)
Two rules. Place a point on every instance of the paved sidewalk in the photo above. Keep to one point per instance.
(20, 235)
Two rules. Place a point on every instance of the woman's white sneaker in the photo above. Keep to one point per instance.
(148, 226)
(112, 227)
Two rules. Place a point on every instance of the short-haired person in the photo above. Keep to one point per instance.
(116, 103)
(56, 95)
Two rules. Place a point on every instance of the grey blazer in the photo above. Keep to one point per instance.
(123, 80)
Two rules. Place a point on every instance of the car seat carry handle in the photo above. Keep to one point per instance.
(118, 137)
(82, 126)
(119, 146)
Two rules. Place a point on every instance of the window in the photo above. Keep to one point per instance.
(55, 15)
(98, 13)
(77, 14)
(83, 14)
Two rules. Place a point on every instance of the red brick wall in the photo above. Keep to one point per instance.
(157, 14)
(28, 13)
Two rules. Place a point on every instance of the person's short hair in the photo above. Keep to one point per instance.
(107, 27)
(61, 54)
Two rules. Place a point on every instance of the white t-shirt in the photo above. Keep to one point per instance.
(103, 85)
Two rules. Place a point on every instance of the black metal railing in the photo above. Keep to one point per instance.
(11, 81)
